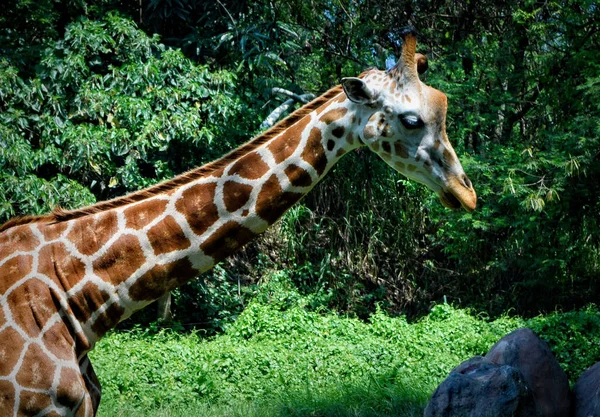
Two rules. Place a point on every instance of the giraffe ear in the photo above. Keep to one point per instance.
(358, 91)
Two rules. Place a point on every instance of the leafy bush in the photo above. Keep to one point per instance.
(109, 111)
(279, 353)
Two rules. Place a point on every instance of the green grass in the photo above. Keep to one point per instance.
(281, 359)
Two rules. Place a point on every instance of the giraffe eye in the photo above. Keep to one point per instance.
(411, 122)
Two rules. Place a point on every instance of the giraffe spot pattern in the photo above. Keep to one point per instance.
(298, 176)
(71, 388)
(401, 150)
(37, 369)
(272, 201)
(9, 354)
(284, 146)
(14, 270)
(33, 403)
(56, 261)
(108, 319)
(197, 205)
(141, 214)
(90, 298)
(92, 232)
(59, 341)
(236, 195)
(161, 279)
(227, 239)
(31, 306)
(333, 115)
(167, 236)
(338, 132)
(17, 240)
(122, 259)
(7, 395)
(250, 166)
(314, 153)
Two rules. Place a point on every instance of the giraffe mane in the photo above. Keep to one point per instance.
(60, 215)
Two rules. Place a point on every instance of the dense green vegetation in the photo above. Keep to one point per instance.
(280, 358)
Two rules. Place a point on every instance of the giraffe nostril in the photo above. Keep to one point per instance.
(466, 181)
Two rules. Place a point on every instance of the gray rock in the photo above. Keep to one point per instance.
(524, 350)
(479, 388)
(587, 393)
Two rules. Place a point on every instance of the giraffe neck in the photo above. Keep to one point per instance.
(116, 261)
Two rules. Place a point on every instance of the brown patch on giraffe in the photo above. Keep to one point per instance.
(340, 152)
(108, 319)
(249, 166)
(162, 279)
(227, 239)
(87, 300)
(399, 165)
(71, 388)
(197, 205)
(142, 214)
(236, 195)
(401, 150)
(350, 138)
(338, 132)
(31, 306)
(449, 157)
(17, 240)
(245, 213)
(334, 115)
(298, 176)
(373, 117)
(369, 132)
(407, 98)
(412, 168)
(53, 231)
(59, 341)
(7, 397)
(284, 146)
(90, 233)
(9, 352)
(387, 131)
(437, 145)
(2, 318)
(314, 153)
(272, 201)
(120, 261)
(375, 146)
(387, 147)
(56, 263)
(341, 98)
(330, 145)
(14, 270)
(167, 236)
(32, 403)
(37, 369)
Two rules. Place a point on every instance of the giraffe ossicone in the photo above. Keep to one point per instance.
(68, 277)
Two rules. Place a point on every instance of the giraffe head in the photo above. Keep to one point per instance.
(404, 122)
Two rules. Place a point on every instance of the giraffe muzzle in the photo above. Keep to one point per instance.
(459, 193)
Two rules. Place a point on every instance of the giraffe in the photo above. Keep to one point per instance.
(68, 277)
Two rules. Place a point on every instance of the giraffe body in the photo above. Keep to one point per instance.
(69, 277)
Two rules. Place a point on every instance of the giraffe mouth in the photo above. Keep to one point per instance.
(454, 200)
(449, 200)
